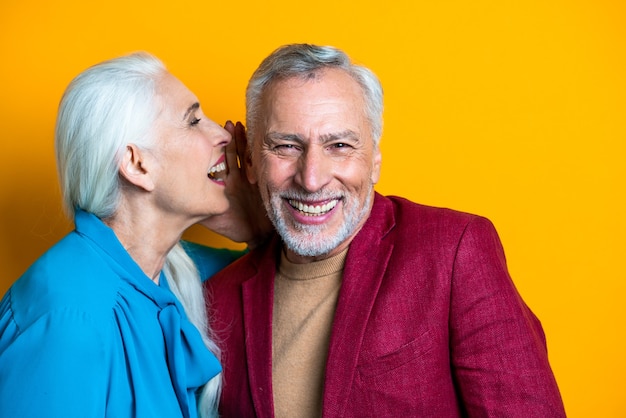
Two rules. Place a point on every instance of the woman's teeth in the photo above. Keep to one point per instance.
(218, 171)
(313, 210)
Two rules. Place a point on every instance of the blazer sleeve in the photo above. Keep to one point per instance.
(498, 349)
(54, 368)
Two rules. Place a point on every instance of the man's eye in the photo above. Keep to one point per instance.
(285, 147)
(194, 121)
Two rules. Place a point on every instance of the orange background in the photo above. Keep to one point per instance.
(515, 110)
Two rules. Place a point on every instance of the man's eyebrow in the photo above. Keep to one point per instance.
(332, 136)
(280, 136)
(347, 134)
(191, 108)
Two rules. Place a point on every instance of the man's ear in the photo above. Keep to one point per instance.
(134, 168)
(376, 163)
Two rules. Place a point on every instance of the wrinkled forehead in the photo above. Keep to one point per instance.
(330, 76)
(322, 86)
(315, 109)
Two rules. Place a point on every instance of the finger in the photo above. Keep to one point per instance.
(231, 148)
(230, 128)
(242, 145)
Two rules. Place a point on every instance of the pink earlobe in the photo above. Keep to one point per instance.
(133, 169)
(376, 166)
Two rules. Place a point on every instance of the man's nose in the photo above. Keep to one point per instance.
(314, 169)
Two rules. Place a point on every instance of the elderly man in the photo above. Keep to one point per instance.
(363, 305)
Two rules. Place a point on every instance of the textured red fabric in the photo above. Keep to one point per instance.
(428, 324)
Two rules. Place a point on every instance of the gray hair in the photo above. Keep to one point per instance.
(105, 108)
(303, 61)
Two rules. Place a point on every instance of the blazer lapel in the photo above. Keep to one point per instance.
(365, 266)
(258, 296)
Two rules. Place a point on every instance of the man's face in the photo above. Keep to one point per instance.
(315, 162)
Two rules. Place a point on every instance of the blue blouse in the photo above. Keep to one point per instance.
(85, 333)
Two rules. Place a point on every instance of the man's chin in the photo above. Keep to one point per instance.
(313, 244)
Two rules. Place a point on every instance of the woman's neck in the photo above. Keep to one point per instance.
(147, 239)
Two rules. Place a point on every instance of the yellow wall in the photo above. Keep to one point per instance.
(512, 109)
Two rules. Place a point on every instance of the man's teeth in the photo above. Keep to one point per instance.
(217, 169)
(313, 210)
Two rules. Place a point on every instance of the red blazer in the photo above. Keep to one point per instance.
(428, 324)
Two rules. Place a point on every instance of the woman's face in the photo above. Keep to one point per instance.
(188, 155)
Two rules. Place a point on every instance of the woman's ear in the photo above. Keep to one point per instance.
(134, 168)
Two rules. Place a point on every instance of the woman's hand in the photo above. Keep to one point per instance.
(246, 219)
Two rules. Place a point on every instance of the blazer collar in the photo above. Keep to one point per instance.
(258, 300)
(366, 264)
(367, 259)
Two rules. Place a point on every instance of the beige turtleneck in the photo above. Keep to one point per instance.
(305, 297)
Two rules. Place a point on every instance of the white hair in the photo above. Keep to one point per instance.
(104, 108)
(184, 281)
(305, 61)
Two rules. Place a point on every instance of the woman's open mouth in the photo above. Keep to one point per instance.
(219, 171)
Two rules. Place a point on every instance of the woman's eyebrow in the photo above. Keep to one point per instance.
(191, 108)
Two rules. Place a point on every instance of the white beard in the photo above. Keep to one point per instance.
(311, 240)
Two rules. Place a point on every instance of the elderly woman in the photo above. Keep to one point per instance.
(111, 322)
